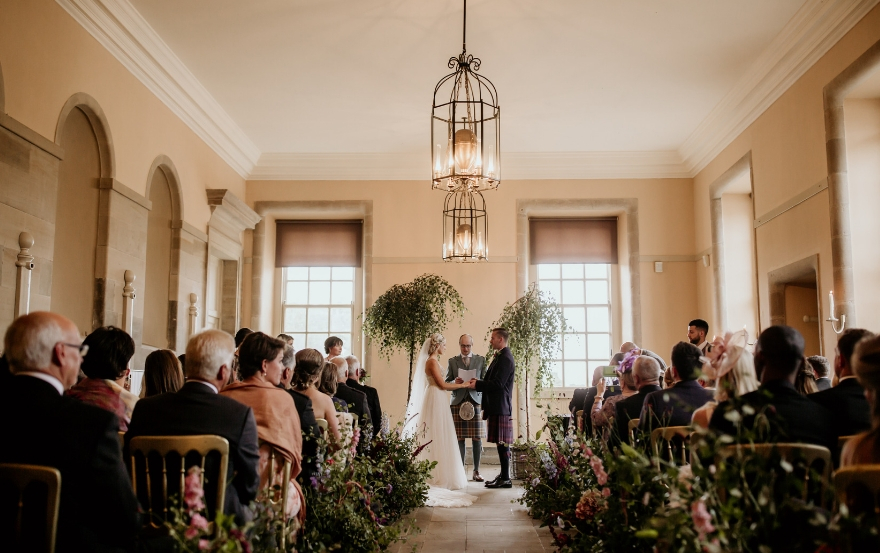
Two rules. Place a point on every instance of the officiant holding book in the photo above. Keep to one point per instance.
(465, 403)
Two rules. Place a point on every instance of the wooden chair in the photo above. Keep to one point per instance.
(858, 487)
(632, 426)
(121, 440)
(276, 500)
(325, 428)
(841, 441)
(40, 485)
(143, 446)
(812, 454)
(669, 434)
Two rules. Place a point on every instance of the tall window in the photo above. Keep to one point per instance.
(318, 302)
(583, 292)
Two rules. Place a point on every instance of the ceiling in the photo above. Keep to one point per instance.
(313, 82)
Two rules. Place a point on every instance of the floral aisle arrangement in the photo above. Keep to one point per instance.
(596, 499)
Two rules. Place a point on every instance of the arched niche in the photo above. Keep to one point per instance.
(90, 107)
(161, 279)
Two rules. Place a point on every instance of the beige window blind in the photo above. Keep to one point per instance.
(573, 240)
(318, 243)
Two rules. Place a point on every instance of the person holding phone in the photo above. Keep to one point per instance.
(603, 410)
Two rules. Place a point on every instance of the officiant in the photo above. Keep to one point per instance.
(465, 403)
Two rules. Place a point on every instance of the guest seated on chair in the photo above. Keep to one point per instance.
(106, 368)
(850, 411)
(198, 408)
(822, 368)
(733, 369)
(646, 375)
(308, 425)
(805, 380)
(864, 449)
(675, 406)
(333, 347)
(353, 381)
(787, 415)
(328, 383)
(162, 373)
(590, 396)
(278, 425)
(306, 372)
(357, 401)
(98, 510)
(603, 410)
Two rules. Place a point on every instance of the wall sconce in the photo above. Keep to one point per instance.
(705, 259)
(832, 319)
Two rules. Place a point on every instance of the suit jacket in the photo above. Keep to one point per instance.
(310, 433)
(631, 408)
(196, 409)
(98, 510)
(850, 411)
(497, 387)
(372, 401)
(357, 403)
(478, 363)
(577, 400)
(673, 406)
(589, 398)
(823, 383)
(796, 419)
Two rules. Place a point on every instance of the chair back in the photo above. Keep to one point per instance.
(322, 424)
(121, 439)
(631, 426)
(277, 486)
(812, 455)
(37, 491)
(680, 435)
(841, 441)
(175, 451)
(858, 487)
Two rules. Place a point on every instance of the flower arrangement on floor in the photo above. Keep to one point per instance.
(628, 499)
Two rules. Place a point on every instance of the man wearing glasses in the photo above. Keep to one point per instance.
(465, 404)
(98, 510)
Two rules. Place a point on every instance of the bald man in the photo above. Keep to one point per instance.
(98, 510)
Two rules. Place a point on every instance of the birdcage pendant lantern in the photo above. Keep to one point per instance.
(465, 227)
(465, 127)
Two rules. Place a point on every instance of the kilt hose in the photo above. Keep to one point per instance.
(500, 429)
(474, 429)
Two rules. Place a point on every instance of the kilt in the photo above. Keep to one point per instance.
(500, 429)
(474, 429)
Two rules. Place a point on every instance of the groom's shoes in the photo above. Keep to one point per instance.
(490, 482)
(477, 477)
(498, 483)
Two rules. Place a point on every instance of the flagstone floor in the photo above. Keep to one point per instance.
(493, 524)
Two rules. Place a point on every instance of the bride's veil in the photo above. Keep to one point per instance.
(417, 397)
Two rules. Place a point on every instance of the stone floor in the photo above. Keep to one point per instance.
(493, 524)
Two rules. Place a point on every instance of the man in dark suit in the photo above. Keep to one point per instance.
(308, 422)
(791, 417)
(822, 369)
(497, 389)
(357, 401)
(850, 410)
(197, 408)
(675, 406)
(354, 368)
(646, 374)
(98, 510)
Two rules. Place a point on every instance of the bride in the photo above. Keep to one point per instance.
(428, 413)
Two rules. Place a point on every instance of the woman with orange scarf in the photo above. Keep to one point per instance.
(278, 425)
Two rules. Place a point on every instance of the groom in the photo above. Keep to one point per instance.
(497, 390)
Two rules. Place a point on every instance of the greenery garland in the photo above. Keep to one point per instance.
(406, 314)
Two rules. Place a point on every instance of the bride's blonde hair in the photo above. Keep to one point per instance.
(436, 340)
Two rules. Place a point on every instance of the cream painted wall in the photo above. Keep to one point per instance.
(863, 163)
(47, 57)
(787, 143)
(742, 304)
(407, 228)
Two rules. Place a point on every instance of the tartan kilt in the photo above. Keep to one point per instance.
(474, 429)
(500, 429)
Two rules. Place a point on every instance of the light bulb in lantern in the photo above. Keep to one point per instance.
(491, 168)
(465, 148)
(463, 236)
(437, 166)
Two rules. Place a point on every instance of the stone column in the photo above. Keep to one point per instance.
(128, 296)
(23, 267)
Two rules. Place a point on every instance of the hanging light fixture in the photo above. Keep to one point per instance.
(465, 227)
(465, 127)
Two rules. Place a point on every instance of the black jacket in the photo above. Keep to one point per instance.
(98, 510)
(823, 383)
(850, 411)
(196, 409)
(631, 408)
(673, 406)
(497, 387)
(357, 403)
(310, 433)
(794, 418)
(372, 401)
(577, 400)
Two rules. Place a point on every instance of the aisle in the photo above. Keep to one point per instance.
(492, 525)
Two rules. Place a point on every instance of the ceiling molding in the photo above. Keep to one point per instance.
(118, 26)
(515, 166)
(813, 30)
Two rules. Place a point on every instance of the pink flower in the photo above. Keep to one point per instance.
(204, 545)
(589, 452)
(606, 492)
(197, 524)
(599, 469)
(702, 518)
(193, 492)
(589, 505)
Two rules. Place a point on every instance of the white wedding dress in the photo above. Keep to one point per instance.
(429, 416)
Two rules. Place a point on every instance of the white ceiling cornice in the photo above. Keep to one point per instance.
(813, 30)
(118, 26)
